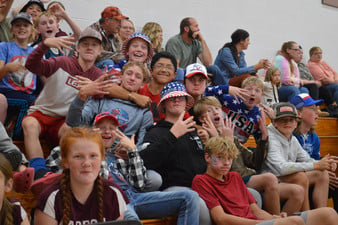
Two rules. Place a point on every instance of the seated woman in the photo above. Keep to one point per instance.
(81, 195)
(155, 33)
(321, 71)
(127, 29)
(291, 82)
(231, 61)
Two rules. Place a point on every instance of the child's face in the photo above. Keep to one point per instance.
(275, 79)
(83, 161)
(107, 126)
(89, 49)
(175, 106)
(286, 125)
(216, 115)
(138, 50)
(219, 164)
(309, 115)
(126, 29)
(4, 186)
(163, 71)
(47, 27)
(255, 93)
(196, 85)
(132, 78)
(21, 29)
(34, 10)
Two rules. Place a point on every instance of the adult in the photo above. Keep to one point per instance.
(231, 61)
(189, 44)
(127, 29)
(291, 82)
(323, 92)
(109, 26)
(5, 22)
(323, 72)
(155, 33)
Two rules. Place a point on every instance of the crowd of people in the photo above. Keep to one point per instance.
(137, 129)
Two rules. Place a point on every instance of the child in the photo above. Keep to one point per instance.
(244, 112)
(17, 84)
(271, 85)
(132, 119)
(32, 7)
(228, 199)
(82, 196)
(307, 137)
(290, 163)
(248, 162)
(46, 117)
(10, 213)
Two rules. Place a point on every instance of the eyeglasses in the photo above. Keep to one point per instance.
(296, 50)
(179, 98)
(161, 66)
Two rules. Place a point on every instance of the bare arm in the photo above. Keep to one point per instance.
(42, 218)
(9, 68)
(260, 213)
(119, 92)
(205, 56)
(58, 11)
(4, 9)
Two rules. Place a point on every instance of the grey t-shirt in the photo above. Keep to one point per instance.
(184, 52)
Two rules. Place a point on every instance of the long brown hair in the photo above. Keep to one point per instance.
(6, 216)
(68, 138)
(285, 46)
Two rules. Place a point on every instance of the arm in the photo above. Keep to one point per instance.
(228, 61)
(59, 12)
(205, 56)
(81, 112)
(9, 68)
(4, 9)
(119, 92)
(260, 213)
(147, 122)
(42, 218)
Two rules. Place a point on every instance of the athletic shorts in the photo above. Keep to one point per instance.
(50, 126)
(303, 215)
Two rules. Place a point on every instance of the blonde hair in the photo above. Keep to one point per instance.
(270, 73)
(253, 80)
(152, 29)
(221, 146)
(138, 64)
(201, 106)
(30, 38)
(48, 14)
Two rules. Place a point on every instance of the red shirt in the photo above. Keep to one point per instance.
(157, 116)
(231, 194)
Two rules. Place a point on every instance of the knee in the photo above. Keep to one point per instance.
(30, 125)
(295, 220)
(297, 193)
(270, 181)
(301, 179)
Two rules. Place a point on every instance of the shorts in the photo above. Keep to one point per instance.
(303, 215)
(50, 126)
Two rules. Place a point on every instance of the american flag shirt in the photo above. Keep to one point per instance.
(245, 120)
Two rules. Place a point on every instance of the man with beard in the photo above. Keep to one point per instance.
(189, 44)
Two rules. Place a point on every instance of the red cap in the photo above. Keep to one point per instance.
(113, 12)
(105, 115)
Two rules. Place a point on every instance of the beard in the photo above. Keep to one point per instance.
(190, 33)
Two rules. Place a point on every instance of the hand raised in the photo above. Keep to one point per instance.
(90, 88)
(60, 42)
(181, 127)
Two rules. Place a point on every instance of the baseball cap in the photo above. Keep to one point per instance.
(144, 37)
(194, 69)
(113, 12)
(285, 109)
(174, 89)
(30, 2)
(22, 16)
(304, 99)
(103, 115)
(90, 32)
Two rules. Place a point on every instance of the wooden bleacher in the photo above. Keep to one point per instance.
(327, 130)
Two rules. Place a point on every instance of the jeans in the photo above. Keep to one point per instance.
(333, 88)
(285, 93)
(204, 215)
(184, 204)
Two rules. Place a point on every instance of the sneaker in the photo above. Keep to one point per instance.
(22, 181)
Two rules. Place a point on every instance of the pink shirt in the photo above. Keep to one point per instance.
(321, 70)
